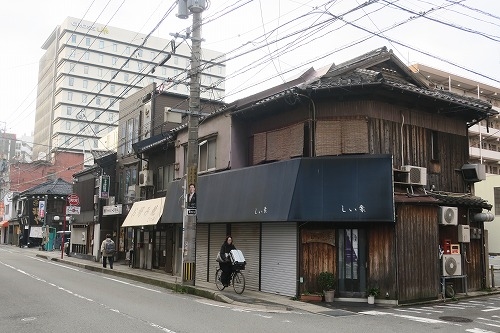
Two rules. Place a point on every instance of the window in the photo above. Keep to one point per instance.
(69, 110)
(165, 176)
(73, 38)
(98, 100)
(87, 41)
(139, 65)
(115, 47)
(72, 54)
(111, 116)
(130, 132)
(99, 72)
(114, 60)
(68, 125)
(434, 146)
(85, 69)
(101, 44)
(152, 55)
(127, 50)
(71, 81)
(98, 113)
(98, 86)
(125, 77)
(70, 96)
(84, 98)
(96, 128)
(101, 58)
(207, 155)
(126, 64)
(96, 143)
(496, 193)
(114, 74)
(85, 84)
(139, 53)
(81, 126)
(72, 67)
(86, 56)
(80, 143)
(112, 88)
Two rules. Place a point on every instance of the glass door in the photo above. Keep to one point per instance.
(352, 262)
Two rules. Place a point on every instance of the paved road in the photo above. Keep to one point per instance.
(39, 295)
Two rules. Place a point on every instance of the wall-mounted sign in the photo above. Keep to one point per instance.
(104, 187)
(112, 210)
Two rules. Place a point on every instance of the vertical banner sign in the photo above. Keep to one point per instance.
(41, 209)
(104, 187)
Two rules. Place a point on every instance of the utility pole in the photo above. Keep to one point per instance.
(196, 7)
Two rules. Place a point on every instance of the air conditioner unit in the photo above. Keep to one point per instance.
(145, 178)
(452, 264)
(463, 233)
(416, 175)
(133, 192)
(448, 215)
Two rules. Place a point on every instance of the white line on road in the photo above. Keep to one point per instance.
(164, 329)
(132, 285)
(54, 263)
(413, 318)
(495, 321)
(477, 330)
(450, 307)
(429, 309)
(490, 309)
(404, 310)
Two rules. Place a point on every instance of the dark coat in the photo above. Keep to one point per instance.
(226, 248)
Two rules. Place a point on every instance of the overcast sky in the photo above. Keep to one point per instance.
(266, 41)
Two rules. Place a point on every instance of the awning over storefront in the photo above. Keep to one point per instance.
(146, 212)
(325, 189)
(172, 213)
(4, 224)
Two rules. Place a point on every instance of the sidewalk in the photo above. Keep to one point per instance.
(249, 298)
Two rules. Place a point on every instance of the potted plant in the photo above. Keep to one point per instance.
(326, 282)
(372, 293)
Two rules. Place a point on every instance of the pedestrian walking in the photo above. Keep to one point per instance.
(108, 251)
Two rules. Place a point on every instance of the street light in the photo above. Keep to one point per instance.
(65, 218)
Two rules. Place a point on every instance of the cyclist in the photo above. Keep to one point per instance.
(227, 265)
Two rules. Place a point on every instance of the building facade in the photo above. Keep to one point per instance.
(484, 137)
(89, 67)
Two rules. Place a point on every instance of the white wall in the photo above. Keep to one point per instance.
(485, 190)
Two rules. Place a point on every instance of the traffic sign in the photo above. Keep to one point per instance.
(74, 199)
(72, 210)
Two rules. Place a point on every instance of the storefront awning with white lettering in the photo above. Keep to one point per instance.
(146, 212)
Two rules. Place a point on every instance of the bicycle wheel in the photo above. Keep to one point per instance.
(238, 282)
(449, 291)
(218, 283)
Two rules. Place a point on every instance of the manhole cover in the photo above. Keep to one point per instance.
(456, 319)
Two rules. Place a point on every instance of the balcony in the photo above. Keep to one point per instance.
(487, 155)
(493, 135)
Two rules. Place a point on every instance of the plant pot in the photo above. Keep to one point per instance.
(371, 299)
(311, 298)
(329, 295)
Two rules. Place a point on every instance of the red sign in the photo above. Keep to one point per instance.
(73, 199)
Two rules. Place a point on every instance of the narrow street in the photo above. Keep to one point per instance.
(46, 296)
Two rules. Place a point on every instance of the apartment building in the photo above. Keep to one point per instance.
(89, 67)
(484, 139)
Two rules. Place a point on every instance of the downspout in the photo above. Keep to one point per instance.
(312, 126)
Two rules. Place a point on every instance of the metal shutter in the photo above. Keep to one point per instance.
(201, 252)
(279, 258)
(217, 237)
(246, 238)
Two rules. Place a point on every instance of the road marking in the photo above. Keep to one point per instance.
(413, 318)
(403, 310)
(495, 321)
(490, 309)
(132, 285)
(450, 307)
(54, 263)
(478, 330)
(164, 329)
(429, 309)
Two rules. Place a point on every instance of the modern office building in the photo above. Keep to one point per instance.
(89, 67)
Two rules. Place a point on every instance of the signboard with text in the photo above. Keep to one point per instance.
(104, 187)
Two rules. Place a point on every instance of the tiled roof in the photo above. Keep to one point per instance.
(58, 186)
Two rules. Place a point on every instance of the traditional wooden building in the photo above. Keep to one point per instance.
(361, 170)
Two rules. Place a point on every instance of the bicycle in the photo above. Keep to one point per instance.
(237, 279)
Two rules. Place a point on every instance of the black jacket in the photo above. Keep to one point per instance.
(226, 248)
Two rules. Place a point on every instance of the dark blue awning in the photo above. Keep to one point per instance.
(325, 189)
(151, 142)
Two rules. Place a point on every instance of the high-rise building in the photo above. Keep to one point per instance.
(89, 67)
